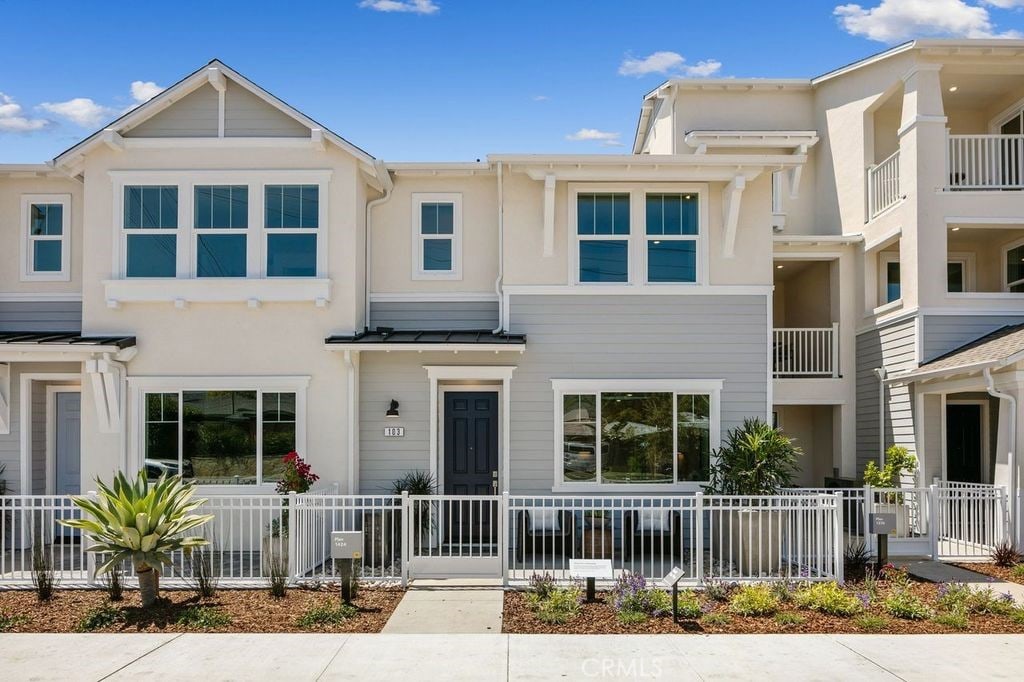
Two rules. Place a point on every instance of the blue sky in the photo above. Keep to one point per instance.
(439, 79)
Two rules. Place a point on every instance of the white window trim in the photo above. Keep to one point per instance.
(637, 238)
(138, 387)
(28, 273)
(418, 199)
(186, 181)
(966, 259)
(562, 387)
(884, 258)
(251, 250)
(1004, 251)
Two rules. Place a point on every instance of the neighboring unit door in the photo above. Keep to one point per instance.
(471, 462)
(963, 443)
(67, 444)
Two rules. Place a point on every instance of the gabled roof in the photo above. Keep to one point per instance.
(996, 349)
(209, 73)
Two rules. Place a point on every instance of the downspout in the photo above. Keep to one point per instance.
(881, 373)
(388, 187)
(1011, 459)
(501, 249)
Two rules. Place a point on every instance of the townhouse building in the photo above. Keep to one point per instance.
(215, 279)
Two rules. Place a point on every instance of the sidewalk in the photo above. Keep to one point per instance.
(484, 658)
(449, 606)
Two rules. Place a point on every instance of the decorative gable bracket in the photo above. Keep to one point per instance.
(105, 376)
(5, 399)
(731, 196)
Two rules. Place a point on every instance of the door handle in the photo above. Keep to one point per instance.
(494, 482)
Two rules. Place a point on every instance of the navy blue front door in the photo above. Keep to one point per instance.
(470, 442)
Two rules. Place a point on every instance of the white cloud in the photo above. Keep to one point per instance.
(607, 139)
(1004, 4)
(668, 63)
(895, 21)
(703, 69)
(656, 62)
(412, 6)
(13, 119)
(540, 98)
(143, 91)
(80, 111)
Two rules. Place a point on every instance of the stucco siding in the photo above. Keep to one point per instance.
(583, 337)
(893, 347)
(429, 315)
(41, 316)
(944, 333)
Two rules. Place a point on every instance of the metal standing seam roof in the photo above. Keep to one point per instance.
(64, 338)
(438, 337)
(991, 349)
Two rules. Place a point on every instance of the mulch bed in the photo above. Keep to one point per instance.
(248, 610)
(993, 571)
(600, 618)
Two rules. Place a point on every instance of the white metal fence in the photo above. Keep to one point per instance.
(806, 351)
(884, 185)
(800, 534)
(986, 162)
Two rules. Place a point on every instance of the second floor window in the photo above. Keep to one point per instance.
(221, 223)
(46, 238)
(151, 227)
(437, 236)
(672, 229)
(602, 227)
(292, 220)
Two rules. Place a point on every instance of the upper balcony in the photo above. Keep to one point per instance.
(805, 342)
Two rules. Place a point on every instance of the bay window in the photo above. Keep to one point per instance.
(215, 436)
(641, 433)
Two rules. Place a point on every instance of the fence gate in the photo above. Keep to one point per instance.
(455, 536)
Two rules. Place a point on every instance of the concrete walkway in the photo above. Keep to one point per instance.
(938, 572)
(503, 658)
(449, 606)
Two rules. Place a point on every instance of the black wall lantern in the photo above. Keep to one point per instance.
(392, 409)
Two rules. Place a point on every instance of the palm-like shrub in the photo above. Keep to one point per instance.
(757, 459)
(136, 521)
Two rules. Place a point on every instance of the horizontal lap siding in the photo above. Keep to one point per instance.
(194, 115)
(246, 115)
(42, 316)
(893, 347)
(584, 337)
(432, 315)
(945, 333)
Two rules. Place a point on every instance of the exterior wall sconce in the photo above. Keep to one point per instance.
(392, 412)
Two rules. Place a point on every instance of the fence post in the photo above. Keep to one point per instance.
(503, 539)
(292, 528)
(90, 557)
(406, 542)
(837, 530)
(699, 540)
(933, 519)
(869, 504)
(835, 350)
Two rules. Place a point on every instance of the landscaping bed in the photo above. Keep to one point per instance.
(1007, 574)
(870, 607)
(300, 610)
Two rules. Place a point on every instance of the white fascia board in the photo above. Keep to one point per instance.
(751, 138)
(816, 239)
(216, 290)
(435, 297)
(553, 161)
(745, 84)
(428, 347)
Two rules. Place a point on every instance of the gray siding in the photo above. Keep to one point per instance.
(434, 315)
(583, 337)
(944, 333)
(195, 115)
(246, 115)
(893, 347)
(43, 316)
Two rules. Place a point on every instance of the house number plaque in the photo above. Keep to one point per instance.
(394, 431)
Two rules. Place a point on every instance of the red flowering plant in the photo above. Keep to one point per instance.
(297, 475)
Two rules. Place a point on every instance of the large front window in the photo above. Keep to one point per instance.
(219, 437)
(642, 437)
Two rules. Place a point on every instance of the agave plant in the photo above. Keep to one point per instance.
(142, 523)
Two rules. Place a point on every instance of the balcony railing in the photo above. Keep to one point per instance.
(806, 352)
(884, 185)
(985, 162)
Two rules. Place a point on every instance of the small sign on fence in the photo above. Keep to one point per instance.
(347, 544)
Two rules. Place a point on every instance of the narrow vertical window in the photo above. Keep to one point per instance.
(151, 226)
(579, 438)
(221, 222)
(292, 222)
(437, 232)
(46, 237)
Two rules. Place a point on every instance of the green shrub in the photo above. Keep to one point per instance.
(326, 613)
(902, 603)
(632, 617)
(898, 461)
(756, 459)
(203, 617)
(542, 585)
(719, 590)
(1005, 555)
(99, 617)
(689, 604)
(828, 598)
(717, 619)
(1017, 571)
(871, 622)
(754, 600)
(789, 618)
(561, 604)
(631, 594)
(961, 597)
(957, 620)
(1017, 615)
(784, 590)
(8, 623)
